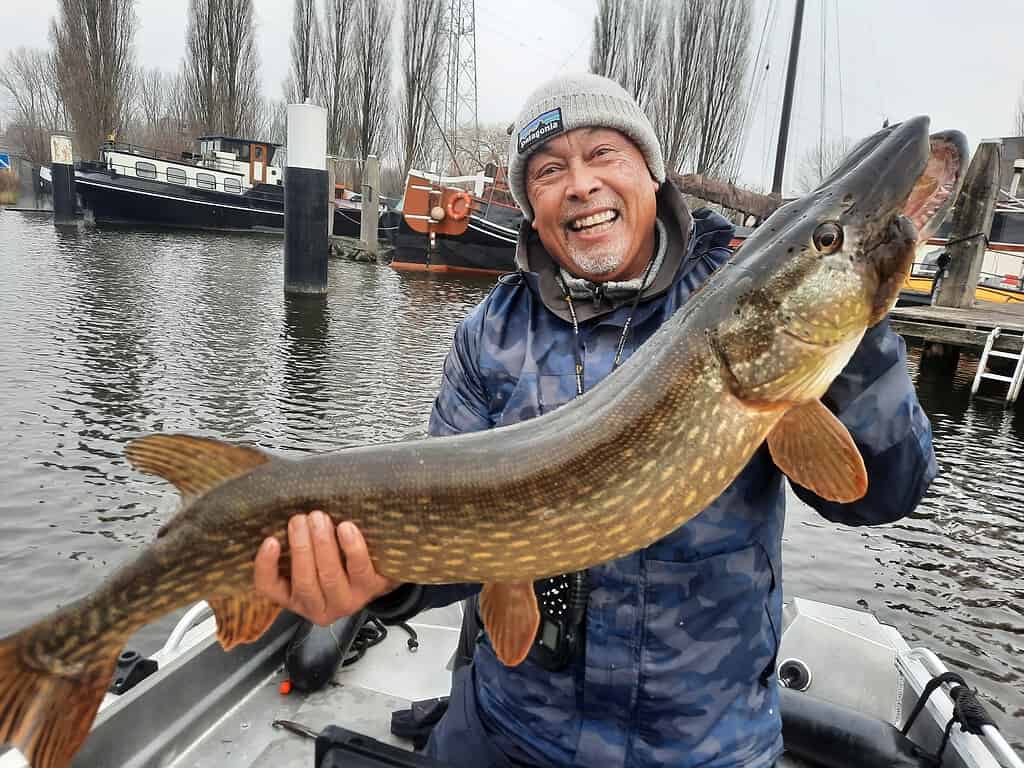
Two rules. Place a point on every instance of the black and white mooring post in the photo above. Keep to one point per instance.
(305, 201)
(62, 171)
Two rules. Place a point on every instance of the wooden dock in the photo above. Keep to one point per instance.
(962, 327)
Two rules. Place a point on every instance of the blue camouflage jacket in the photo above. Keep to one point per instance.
(678, 663)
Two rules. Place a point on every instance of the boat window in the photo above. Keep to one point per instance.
(206, 181)
(176, 175)
(232, 185)
(145, 170)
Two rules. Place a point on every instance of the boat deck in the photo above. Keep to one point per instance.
(361, 698)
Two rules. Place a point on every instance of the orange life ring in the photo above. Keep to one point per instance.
(460, 212)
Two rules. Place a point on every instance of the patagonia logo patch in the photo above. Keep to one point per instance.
(541, 128)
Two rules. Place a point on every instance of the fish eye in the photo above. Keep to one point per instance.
(828, 237)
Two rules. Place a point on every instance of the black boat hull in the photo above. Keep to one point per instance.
(127, 200)
(488, 246)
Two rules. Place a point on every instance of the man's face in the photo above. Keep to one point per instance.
(593, 203)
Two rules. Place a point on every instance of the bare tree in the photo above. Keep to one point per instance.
(675, 109)
(303, 78)
(334, 71)
(685, 63)
(371, 78)
(178, 108)
(644, 41)
(150, 94)
(609, 42)
(727, 41)
(162, 119)
(277, 132)
(28, 80)
(95, 65)
(626, 40)
(200, 67)
(421, 64)
(818, 162)
(238, 68)
(222, 68)
(475, 148)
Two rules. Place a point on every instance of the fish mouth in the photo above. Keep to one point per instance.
(935, 191)
(925, 207)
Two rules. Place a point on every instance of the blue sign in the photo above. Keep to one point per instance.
(5, 161)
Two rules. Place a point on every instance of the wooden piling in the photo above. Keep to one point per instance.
(331, 181)
(972, 221)
(371, 205)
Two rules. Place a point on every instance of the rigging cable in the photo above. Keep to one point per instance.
(756, 72)
(822, 90)
(839, 72)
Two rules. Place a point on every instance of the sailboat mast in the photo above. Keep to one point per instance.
(787, 98)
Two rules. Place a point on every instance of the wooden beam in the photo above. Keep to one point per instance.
(972, 222)
(729, 195)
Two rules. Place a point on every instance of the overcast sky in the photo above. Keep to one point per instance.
(890, 59)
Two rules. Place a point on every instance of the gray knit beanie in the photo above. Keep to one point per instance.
(577, 101)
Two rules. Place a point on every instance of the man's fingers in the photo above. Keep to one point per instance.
(266, 574)
(331, 575)
(361, 574)
(307, 597)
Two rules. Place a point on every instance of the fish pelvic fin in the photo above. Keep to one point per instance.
(193, 464)
(45, 714)
(816, 450)
(242, 618)
(511, 619)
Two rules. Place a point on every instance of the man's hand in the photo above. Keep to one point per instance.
(323, 587)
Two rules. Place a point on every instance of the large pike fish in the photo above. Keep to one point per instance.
(744, 361)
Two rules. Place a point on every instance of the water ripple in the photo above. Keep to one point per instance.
(109, 335)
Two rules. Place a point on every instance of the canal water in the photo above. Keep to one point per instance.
(106, 335)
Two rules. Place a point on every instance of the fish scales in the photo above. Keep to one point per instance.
(437, 511)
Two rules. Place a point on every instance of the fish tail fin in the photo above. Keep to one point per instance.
(46, 714)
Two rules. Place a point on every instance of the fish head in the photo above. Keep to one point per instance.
(824, 268)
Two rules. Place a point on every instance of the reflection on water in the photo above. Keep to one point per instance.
(951, 576)
(108, 335)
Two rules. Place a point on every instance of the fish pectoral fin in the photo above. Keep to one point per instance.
(816, 450)
(511, 619)
(193, 464)
(242, 618)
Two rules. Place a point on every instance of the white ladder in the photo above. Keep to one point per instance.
(1016, 380)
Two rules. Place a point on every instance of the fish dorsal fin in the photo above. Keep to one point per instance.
(511, 619)
(815, 450)
(242, 618)
(193, 464)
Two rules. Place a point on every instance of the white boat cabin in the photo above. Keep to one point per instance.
(224, 164)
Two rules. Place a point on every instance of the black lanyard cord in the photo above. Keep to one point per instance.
(622, 338)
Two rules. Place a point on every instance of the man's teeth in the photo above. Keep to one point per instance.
(591, 221)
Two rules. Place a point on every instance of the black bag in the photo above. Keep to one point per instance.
(338, 747)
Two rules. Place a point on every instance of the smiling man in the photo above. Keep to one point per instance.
(671, 659)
